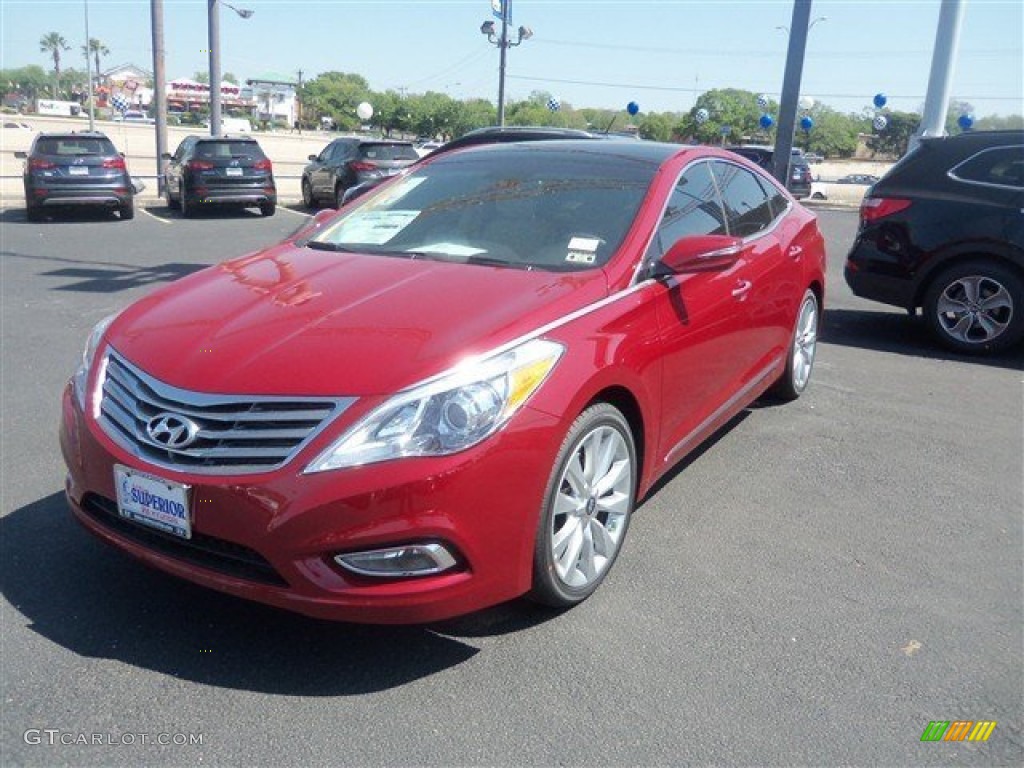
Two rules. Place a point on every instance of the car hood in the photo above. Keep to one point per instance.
(296, 321)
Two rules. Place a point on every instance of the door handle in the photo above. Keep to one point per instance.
(740, 291)
(795, 251)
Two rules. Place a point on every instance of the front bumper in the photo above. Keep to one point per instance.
(272, 537)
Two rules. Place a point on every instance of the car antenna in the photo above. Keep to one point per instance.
(610, 124)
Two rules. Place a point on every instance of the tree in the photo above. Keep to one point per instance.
(336, 95)
(229, 77)
(28, 82)
(53, 44)
(894, 139)
(657, 126)
(96, 48)
(731, 110)
(1000, 123)
(201, 76)
(834, 134)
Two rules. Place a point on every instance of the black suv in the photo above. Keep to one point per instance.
(347, 162)
(75, 169)
(943, 230)
(219, 170)
(798, 180)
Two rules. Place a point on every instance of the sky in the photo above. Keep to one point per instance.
(589, 53)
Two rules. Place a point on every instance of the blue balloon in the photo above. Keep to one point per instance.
(965, 121)
(767, 121)
(880, 100)
(806, 122)
(632, 107)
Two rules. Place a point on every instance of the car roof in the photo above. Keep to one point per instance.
(651, 151)
(73, 135)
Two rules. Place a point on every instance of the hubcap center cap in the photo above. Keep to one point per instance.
(591, 507)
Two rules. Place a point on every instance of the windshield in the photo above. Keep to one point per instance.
(519, 206)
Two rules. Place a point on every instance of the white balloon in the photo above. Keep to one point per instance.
(364, 110)
(806, 102)
(702, 115)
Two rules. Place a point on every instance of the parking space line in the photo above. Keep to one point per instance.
(293, 211)
(154, 216)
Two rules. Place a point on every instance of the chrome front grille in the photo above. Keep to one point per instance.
(228, 433)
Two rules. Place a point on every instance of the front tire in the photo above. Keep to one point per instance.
(802, 348)
(976, 307)
(307, 194)
(587, 508)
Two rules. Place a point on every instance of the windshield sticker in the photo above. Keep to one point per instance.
(372, 227)
(583, 250)
(396, 190)
(451, 249)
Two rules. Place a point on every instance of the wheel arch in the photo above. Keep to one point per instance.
(965, 253)
(627, 404)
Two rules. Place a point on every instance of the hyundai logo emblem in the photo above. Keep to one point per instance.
(169, 430)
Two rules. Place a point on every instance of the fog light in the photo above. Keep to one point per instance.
(410, 560)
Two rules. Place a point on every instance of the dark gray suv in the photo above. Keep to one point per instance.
(75, 169)
(219, 170)
(347, 162)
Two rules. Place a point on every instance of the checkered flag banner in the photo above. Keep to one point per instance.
(554, 104)
(119, 102)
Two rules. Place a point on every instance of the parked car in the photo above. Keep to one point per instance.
(813, 158)
(857, 178)
(222, 170)
(943, 231)
(346, 162)
(799, 179)
(75, 170)
(447, 396)
(488, 135)
(134, 116)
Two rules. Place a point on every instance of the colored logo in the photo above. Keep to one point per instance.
(958, 730)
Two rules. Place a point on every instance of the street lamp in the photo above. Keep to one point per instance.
(810, 26)
(504, 43)
(213, 19)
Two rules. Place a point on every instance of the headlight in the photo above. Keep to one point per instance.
(80, 379)
(447, 414)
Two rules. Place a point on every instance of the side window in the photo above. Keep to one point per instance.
(1003, 166)
(326, 152)
(777, 201)
(747, 207)
(693, 209)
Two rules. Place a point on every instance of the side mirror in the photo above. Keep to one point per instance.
(313, 157)
(21, 155)
(701, 253)
(166, 156)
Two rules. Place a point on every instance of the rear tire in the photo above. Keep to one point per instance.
(339, 196)
(187, 208)
(267, 209)
(976, 307)
(127, 211)
(802, 347)
(33, 214)
(169, 199)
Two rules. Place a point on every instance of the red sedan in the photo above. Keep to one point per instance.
(452, 392)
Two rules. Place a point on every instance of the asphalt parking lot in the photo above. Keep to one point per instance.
(813, 587)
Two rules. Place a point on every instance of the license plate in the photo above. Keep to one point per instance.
(78, 170)
(234, 171)
(153, 501)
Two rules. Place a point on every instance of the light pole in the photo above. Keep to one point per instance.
(213, 22)
(504, 43)
(88, 70)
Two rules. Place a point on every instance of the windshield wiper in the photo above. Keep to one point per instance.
(491, 261)
(321, 245)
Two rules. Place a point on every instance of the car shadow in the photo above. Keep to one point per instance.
(106, 277)
(59, 216)
(98, 603)
(901, 334)
(206, 211)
